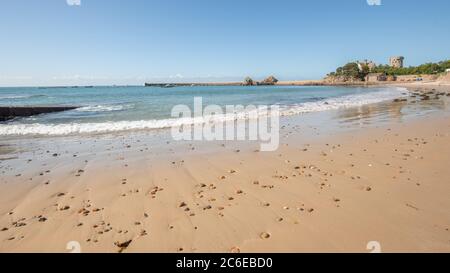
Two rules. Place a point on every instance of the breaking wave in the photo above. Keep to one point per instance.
(104, 108)
(14, 97)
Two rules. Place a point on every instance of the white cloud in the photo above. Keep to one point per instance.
(78, 77)
(176, 76)
(374, 2)
(5, 78)
(73, 2)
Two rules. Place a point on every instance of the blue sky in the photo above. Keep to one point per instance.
(48, 42)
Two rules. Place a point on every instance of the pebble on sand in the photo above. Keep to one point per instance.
(235, 250)
(123, 246)
(65, 208)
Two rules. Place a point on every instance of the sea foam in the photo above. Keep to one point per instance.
(104, 108)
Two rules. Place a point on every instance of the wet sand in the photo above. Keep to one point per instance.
(375, 173)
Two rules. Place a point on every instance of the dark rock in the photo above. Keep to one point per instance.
(248, 81)
(7, 113)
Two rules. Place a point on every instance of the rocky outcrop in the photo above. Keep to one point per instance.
(248, 82)
(7, 113)
(269, 81)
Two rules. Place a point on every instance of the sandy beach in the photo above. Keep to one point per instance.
(380, 176)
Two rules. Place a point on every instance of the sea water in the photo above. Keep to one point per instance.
(114, 109)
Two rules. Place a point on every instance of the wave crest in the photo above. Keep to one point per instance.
(104, 108)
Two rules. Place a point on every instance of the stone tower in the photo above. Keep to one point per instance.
(397, 61)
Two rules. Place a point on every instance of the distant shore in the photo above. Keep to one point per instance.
(323, 82)
(280, 83)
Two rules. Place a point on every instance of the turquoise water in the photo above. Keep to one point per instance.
(103, 109)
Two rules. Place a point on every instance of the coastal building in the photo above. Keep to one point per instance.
(396, 62)
(376, 77)
(370, 64)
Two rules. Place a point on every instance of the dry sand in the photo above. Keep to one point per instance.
(389, 183)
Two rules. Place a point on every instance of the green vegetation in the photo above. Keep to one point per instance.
(351, 71)
(424, 69)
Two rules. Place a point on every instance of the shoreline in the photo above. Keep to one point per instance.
(91, 128)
